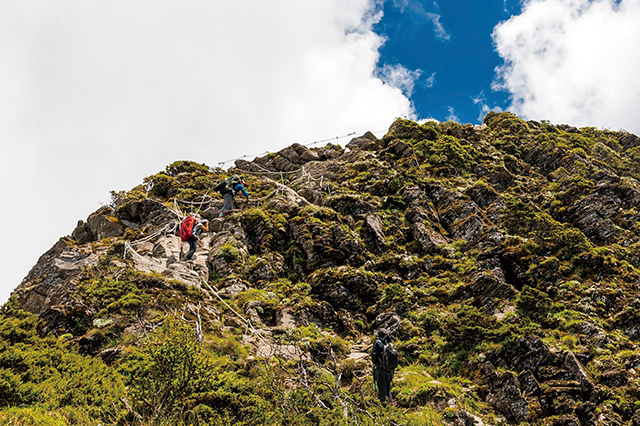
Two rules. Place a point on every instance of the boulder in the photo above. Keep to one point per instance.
(184, 272)
(285, 319)
(345, 287)
(167, 246)
(529, 385)
(580, 374)
(81, 233)
(504, 393)
(368, 141)
(388, 320)
(236, 287)
(227, 252)
(327, 243)
(102, 226)
(527, 353)
(428, 238)
(488, 284)
(374, 229)
(99, 225)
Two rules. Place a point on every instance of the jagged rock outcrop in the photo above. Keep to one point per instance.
(54, 279)
(539, 380)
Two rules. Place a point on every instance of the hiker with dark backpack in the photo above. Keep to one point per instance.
(385, 361)
(229, 188)
(190, 230)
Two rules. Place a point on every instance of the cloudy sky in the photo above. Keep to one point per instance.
(96, 95)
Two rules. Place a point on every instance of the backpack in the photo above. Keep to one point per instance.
(227, 185)
(389, 358)
(186, 228)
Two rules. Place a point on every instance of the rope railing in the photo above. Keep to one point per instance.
(336, 138)
(128, 248)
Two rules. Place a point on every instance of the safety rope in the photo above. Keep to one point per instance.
(336, 138)
(246, 321)
(129, 249)
(155, 234)
(267, 171)
(194, 203)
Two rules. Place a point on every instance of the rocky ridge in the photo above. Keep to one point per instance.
(503, 254)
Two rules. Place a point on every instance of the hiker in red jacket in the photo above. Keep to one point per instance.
(194, 240)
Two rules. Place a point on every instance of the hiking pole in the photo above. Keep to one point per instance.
(374, 379)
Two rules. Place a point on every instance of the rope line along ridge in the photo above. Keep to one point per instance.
(336, 138)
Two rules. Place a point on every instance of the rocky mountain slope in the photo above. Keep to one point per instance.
(503, 258)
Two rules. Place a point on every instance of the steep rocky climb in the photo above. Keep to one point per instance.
(502, 257)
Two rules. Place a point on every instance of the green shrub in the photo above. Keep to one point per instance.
(49, 374)
(174, 169)
(162, 185)
(168, 370)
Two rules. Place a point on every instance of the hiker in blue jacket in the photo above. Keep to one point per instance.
(381, 376)
(194, 241)
(229, 188)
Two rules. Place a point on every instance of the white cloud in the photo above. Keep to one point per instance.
(441, 33)
(417, 8)
(431, 80)
(452, 116)
(573, 61)
(481, 101)
(400, 77)
(94, 96)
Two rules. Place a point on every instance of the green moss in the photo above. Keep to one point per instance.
(113, 296)
(535, 304)
(410, 130)
(546, 233)
(230, 253)
(447, 150)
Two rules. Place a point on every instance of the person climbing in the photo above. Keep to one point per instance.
(385, 360)
(229, 188)
(194, 239)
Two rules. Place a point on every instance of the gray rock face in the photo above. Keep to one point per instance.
(54, 279)
(489, 284)
(428, 238)
(458, 214)
(587, 386)
(266, 268)
(376, 231)
(388, 320)
(364, 142)
(548, 382)
(49, 287)
(233, 290)
(227, 251)
(146, 212)
(99, 225)
(505, 394)
(345, 287)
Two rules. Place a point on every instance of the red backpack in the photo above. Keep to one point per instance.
(186, 228)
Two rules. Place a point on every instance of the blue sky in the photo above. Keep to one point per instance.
(97, 95)
(450, 42)
(568, 61)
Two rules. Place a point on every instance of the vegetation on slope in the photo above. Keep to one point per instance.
(503, 258)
